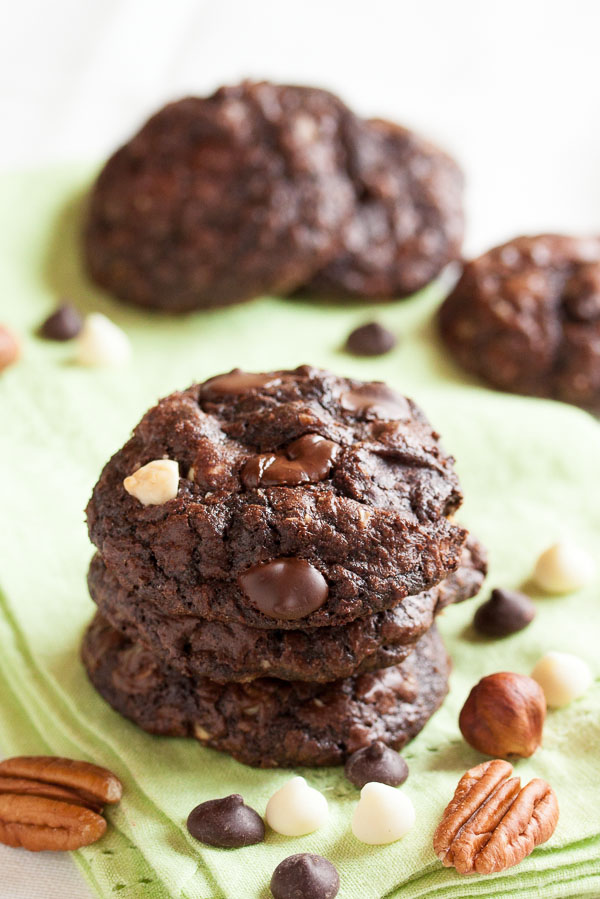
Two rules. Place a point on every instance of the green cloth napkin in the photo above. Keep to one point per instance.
(529, 470)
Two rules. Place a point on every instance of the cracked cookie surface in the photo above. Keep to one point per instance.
(525, 316)
(220, 199)
(373, 525)
(407, 221)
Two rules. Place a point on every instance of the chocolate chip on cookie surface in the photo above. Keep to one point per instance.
(219, 199)
(525, 316)
(367, 527)
(233, 651)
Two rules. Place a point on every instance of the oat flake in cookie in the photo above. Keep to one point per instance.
(267, 722)
(526, 317)
(371, 523)
(407, 222)
(220, 199)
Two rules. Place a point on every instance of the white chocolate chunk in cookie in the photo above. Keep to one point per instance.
(155, 483)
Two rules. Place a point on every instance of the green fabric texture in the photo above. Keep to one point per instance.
(529, 470)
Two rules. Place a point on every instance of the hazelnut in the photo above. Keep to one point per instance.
(504, 715)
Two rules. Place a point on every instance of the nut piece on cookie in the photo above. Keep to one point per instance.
(491, 823)
(383, 815)
(155, 483)
(563, 677)
(296, 809)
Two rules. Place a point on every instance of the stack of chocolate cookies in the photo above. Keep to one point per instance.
(269, 583)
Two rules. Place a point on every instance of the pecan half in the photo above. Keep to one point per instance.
(38, 824)
(491, 823)
(95, 785)
(24, 787)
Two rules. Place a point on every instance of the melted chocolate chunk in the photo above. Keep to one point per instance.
(238, 381)
(375, 400)
(305, 461)
(370, 340)
(378, 763)
(305, 875)
(284, 588)
(226, 823)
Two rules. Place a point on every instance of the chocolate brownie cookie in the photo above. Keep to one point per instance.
(526, 317)
(236, 652)
(269, 722)
(407, 222)
(223, 198)
(303, 500)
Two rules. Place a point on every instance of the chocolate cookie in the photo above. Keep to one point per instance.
(304, 500)
(269, 722)
(236, 652)
(220, 199)
(526, 317)
(407, 222)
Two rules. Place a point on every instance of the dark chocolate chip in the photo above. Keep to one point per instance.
(226, 823)
(378, 763)
(238, 381)
(504, 613)
(285, 588)
(305, 461)
(305, 876)
(64, 324)
(375, 400)
(370, 340)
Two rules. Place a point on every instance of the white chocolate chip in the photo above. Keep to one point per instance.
(296, 809)
(564, 567)
(383, 814)
(155, 483)
(563, 677)
(101, 342)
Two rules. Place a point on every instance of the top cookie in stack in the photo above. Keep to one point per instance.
(263, 189)
(273, 549)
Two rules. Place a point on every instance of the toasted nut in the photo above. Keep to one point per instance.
(504, 715)
(155, 483)
(93, 783)
(39, 824)
(491, 823)
(10, 348)
(25, 787)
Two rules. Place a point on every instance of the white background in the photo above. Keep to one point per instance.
(512, 88)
